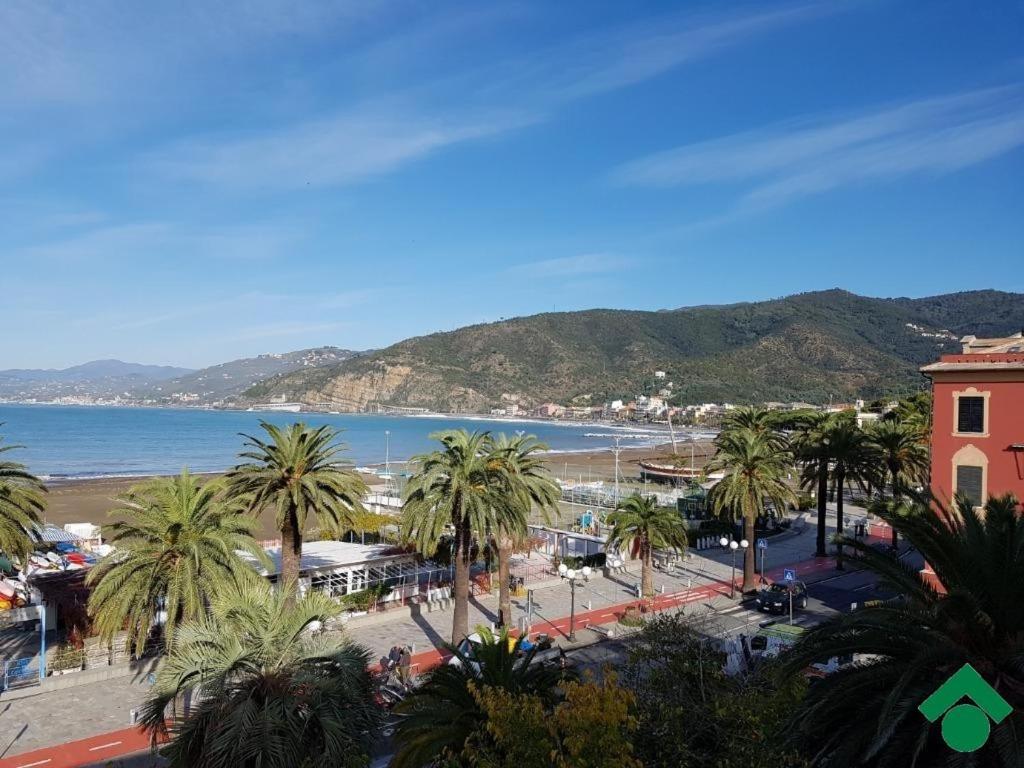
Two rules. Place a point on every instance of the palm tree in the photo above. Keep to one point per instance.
(457, 490)
(757, 419)
(866, 714)
(900, 450)
(850, 451)
(639, 519)
(297, 473)
(21, 504)
(528, 484)
(442, 713)
(176, 547)
(810, 448)
(273, 691)
(755, 469)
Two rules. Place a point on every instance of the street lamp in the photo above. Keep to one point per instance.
(733, 546)
(572, 575)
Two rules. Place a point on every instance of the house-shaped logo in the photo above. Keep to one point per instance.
(965, 727)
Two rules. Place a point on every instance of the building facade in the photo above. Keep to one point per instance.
(978, 420)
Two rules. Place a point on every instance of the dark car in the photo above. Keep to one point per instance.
(775, 597)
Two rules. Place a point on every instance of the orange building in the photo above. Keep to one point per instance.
(978, 420)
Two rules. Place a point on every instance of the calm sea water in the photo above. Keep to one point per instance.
(70, 441)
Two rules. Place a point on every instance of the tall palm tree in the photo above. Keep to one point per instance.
(297, 473)
(21, 504)
(757, 419)
(638, 519)
(755, 467)
(852, 462)
(810, 448)
(900, 449)
(442, 713)
(529, 485)
(176, 547)
(866, 714)
(272, 690)
(457, 491)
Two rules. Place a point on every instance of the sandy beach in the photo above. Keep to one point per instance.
(76, 501)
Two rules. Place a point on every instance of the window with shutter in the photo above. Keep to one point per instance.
(968, 482)
(970, 415)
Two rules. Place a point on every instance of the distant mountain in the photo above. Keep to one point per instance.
(104, 379)
(116, 381)
(224, 381)
(809, 347)
(94, 370)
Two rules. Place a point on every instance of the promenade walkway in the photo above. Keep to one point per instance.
(74, 727)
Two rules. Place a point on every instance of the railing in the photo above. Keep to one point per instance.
(21, 673)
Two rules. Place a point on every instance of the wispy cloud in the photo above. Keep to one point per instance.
(339, 150)
(368, 139)
(623, 56)
(108, 49)
(148, 240)
(782, 162)
(571, 266)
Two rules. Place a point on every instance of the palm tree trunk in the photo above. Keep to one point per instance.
(820, 550)
(895, 502)
(504, 575)
(291, 555)
(460, 616)
(749, 583)
(646, 570)
(840, 481)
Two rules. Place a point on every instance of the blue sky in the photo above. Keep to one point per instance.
(191, 182)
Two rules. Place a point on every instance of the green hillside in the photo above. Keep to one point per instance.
(810, 347)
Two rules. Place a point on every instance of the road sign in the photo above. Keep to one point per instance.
(789, 574)
(762, 543)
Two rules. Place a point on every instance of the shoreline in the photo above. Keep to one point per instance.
(77, 500)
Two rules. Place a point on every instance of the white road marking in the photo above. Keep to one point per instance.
(37, 762)
(104, 746)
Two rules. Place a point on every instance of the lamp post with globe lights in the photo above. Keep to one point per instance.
(583, 574)
(733, 546)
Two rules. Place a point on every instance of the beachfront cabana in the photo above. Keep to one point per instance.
(555, 542)
(341, 568)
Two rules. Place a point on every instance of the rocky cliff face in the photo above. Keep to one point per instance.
(386, 384)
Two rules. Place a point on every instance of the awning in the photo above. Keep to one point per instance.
(51, 534)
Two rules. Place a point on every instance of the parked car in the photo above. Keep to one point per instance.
(775, 597)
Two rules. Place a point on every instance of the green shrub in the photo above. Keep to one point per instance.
(365, 599)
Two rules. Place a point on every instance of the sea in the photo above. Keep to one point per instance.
(78, 442)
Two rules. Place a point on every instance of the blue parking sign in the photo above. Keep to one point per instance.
(789, 574)
(762, 543)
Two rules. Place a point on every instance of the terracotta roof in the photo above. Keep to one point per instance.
(981, 365)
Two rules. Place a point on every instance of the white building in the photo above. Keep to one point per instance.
(340, 568)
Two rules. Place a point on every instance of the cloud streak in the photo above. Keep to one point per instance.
(368, 139)
(787, 161)
(339, 150)
(571, 266)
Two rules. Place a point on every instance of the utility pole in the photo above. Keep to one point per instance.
(617, 449)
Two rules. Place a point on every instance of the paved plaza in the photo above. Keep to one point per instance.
(700, 581)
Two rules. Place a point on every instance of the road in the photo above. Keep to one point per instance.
(702, 586)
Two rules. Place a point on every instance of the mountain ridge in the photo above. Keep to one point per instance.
(810, 346)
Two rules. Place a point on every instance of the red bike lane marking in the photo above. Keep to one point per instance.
(115, 744)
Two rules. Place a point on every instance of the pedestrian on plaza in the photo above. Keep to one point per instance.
(394, 656)
(405, 665)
